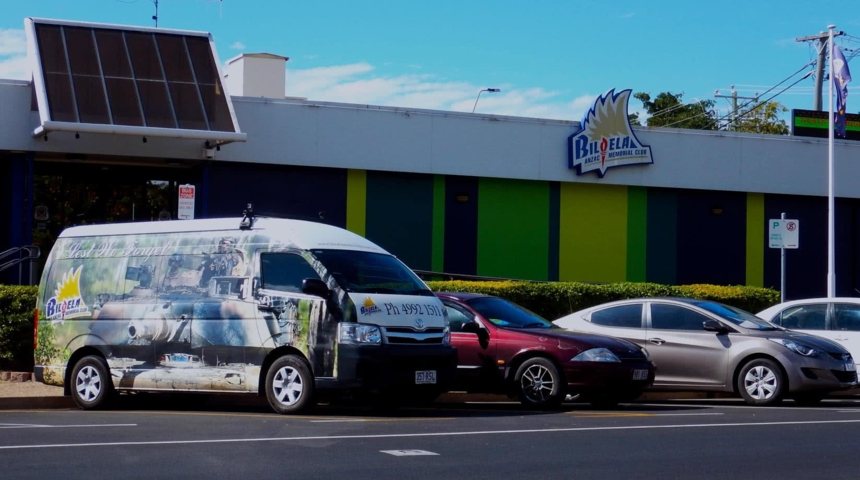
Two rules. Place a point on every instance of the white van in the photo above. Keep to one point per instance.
(275, 307)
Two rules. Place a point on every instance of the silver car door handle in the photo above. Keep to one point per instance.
(841, 339)
(657, 341)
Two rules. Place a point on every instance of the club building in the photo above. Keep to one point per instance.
(116, 120)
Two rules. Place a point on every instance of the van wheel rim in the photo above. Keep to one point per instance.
(88, 383)
(761, 383)
(287, 386)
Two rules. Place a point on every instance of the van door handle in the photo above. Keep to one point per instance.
(657, 341)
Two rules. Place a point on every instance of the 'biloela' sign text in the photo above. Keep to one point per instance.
(605, 139)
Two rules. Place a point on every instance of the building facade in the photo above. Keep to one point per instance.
(460, 193)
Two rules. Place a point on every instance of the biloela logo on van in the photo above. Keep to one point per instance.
(67, 301)
(369, 307)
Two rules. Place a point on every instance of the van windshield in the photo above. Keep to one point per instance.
(365, 272)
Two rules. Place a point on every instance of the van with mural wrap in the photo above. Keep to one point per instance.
(285, 309)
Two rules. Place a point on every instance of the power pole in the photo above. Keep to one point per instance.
(819, 66)
(734, 96)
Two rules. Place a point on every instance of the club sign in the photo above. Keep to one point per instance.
(605, 138)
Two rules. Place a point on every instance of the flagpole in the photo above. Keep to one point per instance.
(831, 273)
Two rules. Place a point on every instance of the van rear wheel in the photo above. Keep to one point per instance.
(91, 383)
(289, 385)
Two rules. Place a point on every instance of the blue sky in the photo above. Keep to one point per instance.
(550, 58)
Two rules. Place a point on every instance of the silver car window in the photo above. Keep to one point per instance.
(674, 317)
(846, 317)
(626, 316)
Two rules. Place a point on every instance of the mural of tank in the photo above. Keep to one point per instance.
(174, 315)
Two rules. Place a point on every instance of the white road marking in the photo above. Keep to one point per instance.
(22, 425)
(408, 453)
(425, 434)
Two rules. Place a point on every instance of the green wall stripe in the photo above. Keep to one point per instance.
(438, 249)
(662, 236)
(400, 215)
(637, 245)
(513, 228)
(755, 239)
(552, 257)
(593, 233)
(356, 201)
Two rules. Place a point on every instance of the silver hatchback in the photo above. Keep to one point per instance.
(701, 345)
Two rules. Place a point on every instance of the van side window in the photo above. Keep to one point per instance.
(284, 271)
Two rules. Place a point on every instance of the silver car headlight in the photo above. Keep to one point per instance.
(797, 347)
(359, 333)
(596, 355)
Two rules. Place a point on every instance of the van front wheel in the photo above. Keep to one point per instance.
(91, 383)
(289, 385)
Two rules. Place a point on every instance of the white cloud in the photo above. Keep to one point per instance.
(358, 83)
(13, 55)
(12, 42)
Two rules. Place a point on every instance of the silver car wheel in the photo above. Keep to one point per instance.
(288, 386)
(761, 383)
(88, 383)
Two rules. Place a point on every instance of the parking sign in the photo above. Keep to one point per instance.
(784, 233)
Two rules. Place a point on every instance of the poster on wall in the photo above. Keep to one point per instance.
(185, 205)
(605, 138)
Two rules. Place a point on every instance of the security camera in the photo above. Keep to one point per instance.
(209, 153)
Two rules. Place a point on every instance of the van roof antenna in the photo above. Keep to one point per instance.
(247, 218)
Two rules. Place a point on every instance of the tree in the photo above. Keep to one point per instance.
(667, 110)
(762, 118)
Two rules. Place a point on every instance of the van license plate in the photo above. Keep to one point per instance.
(425, 377)
(640, 374)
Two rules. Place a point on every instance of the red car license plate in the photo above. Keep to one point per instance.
(425, 377)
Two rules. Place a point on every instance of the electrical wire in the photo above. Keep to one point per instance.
(706, 114)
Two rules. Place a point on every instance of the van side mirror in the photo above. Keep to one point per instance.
(316, 287)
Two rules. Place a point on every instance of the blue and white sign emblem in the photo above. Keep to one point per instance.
(605, 138)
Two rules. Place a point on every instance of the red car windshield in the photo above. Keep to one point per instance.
(503, 313)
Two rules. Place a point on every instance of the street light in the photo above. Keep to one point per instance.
(491, 90)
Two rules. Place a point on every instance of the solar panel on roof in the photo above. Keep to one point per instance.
(125, 80)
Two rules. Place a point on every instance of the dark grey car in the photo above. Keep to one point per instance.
(700, 345)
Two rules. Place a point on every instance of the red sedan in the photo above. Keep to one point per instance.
(505, 348)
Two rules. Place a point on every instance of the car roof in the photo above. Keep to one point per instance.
(461, 296)
(807, 301)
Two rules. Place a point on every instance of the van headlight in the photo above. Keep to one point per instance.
(596, 355)
(446, 336)
(799, 348)
(359, 333)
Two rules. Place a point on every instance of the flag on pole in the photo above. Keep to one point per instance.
(841, 77)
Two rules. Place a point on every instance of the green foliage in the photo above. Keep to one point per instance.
(556, 299)
(16, 326)
(668, 110)
(763, 118)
